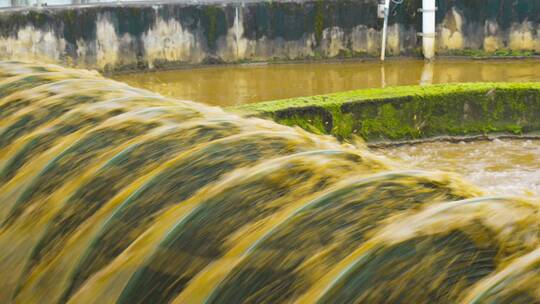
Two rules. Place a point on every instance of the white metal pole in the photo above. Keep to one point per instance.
(385, 28)
(237, 31)
(428, 28)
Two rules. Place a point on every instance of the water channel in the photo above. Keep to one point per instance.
(501, 167)
(238, 84)
(115, 194)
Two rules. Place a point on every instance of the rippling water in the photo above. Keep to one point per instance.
(510, 167)
(110, 194)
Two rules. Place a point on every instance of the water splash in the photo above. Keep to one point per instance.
(112, 194)
(500, 166)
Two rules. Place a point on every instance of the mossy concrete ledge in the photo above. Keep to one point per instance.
(412, 112)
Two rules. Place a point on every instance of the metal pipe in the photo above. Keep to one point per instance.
(428, 28)
(237, 30)
(385, 28)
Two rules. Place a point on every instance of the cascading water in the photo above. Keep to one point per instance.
(111, 194)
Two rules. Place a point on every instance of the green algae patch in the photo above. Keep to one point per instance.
(480, 54)
(411, 112)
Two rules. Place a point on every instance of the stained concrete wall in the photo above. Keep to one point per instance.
(493, 26)
(163, 35)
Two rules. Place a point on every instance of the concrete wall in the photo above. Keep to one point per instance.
(158, 35)
(493, 26)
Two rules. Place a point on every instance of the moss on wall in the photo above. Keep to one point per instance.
(148, 35)
(504, 53)
(412, 112)
(319, 20)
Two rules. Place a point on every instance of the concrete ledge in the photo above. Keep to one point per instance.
(412, 112)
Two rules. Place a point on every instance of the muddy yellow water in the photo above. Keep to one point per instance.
(233, 85)
(510, 167)
(110, 194)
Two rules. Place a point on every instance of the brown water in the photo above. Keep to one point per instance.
(233, 85)
(110, 194)
(510, 167)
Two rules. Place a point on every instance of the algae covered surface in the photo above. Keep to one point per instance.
(411, 112)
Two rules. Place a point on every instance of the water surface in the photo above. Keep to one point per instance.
(507, 167)
(111, 194)
(232, 85)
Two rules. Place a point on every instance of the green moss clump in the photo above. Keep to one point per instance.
(412, 112)
(477, 53)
